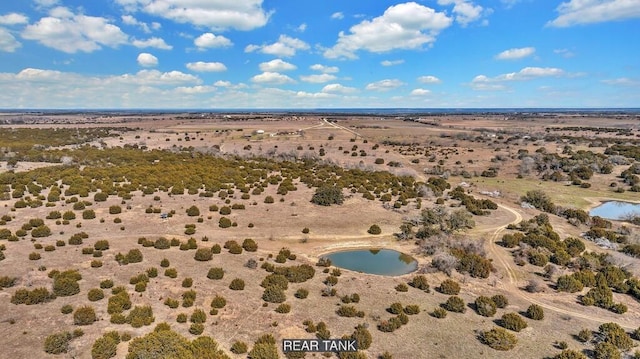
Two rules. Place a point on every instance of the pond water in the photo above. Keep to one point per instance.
(616, 210)
(374, 261)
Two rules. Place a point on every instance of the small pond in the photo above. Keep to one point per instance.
(616, 210)
(374, 261)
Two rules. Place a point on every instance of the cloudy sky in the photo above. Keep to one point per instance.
(204, 54)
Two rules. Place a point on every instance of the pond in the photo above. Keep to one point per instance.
(616, 210)
(374, 261)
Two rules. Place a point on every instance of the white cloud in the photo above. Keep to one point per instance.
(302, 27)
(130, 20)
(276, 65)
(206, 66)
(285, 47)
(466, 11)
(46, 3)
(516, 53)
(154, 42)
(337, 16)
(566, 53)
(338, 89)
(41, 88)
(70, 33)
(147, 60)
(575, 12)
(429, 79)
(402, 26)
(13, 19)
(621, 81)
(420, 92)
(192, 90)
(221, 83)
(8, 42)
(384, 85)
(325, 69)
(391, 62)
(272, 78)
(209, 40)
(482, 82)
(313, 95)
(214, 14)
(155, 77)
(318, 79)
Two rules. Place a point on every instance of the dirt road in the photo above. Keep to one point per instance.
(505, 260)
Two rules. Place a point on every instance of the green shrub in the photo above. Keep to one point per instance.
(140, 316)
(196, 328)
(498, 339)
(613, 333)
(66, 309)
(570, 354)
(374, 229)
(328, 195)
(584, 335)
(85, 315)
(95, 294)
(485, 306)
(301, 293)
(283, 308)
(106, 284)
(420, 282)
(224, 222)
(239, 347)
(395, 308)
(101, 245)
(187, 283)
(198, 316)
(193, 211)
(106, 346)
(401, 287)
(500, 300)
(181, 318)
(513, 321)
(412, 309)
(57, 343)
(535, 312)
(188, 298)
(606, 350)
(215, 273)
(439, 313)
(172, 303)
(171, 273)
(237, 284)
(568, 283)
(275, 279)
(449, 287)
(119, 302)
(96, 264)
(164, 263)
(455, 304)
(274, 294)
(218, 302)
(349, 311)
(88, 214)
(34, 256)
(249, 245)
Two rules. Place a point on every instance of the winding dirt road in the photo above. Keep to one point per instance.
(505, 260)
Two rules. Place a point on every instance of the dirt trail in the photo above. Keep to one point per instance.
(504, 258)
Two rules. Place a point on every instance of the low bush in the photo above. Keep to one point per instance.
(513, 321)
(439, 313)
(106, 346)
(449, 287)
(57, 343)
(273, 294)
(498, 339)
(500, 300)
(301, 293)
(85, 315)
(283, 308)
(198, 316)
(239, 347)
(455, 304)
(215, 273)
(95, 294)
(218, 302)
(535, 312)
(237, 284)
(485, 306)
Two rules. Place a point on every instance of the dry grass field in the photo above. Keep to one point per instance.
(491, 157)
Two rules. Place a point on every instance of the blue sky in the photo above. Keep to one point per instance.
(319, 53)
